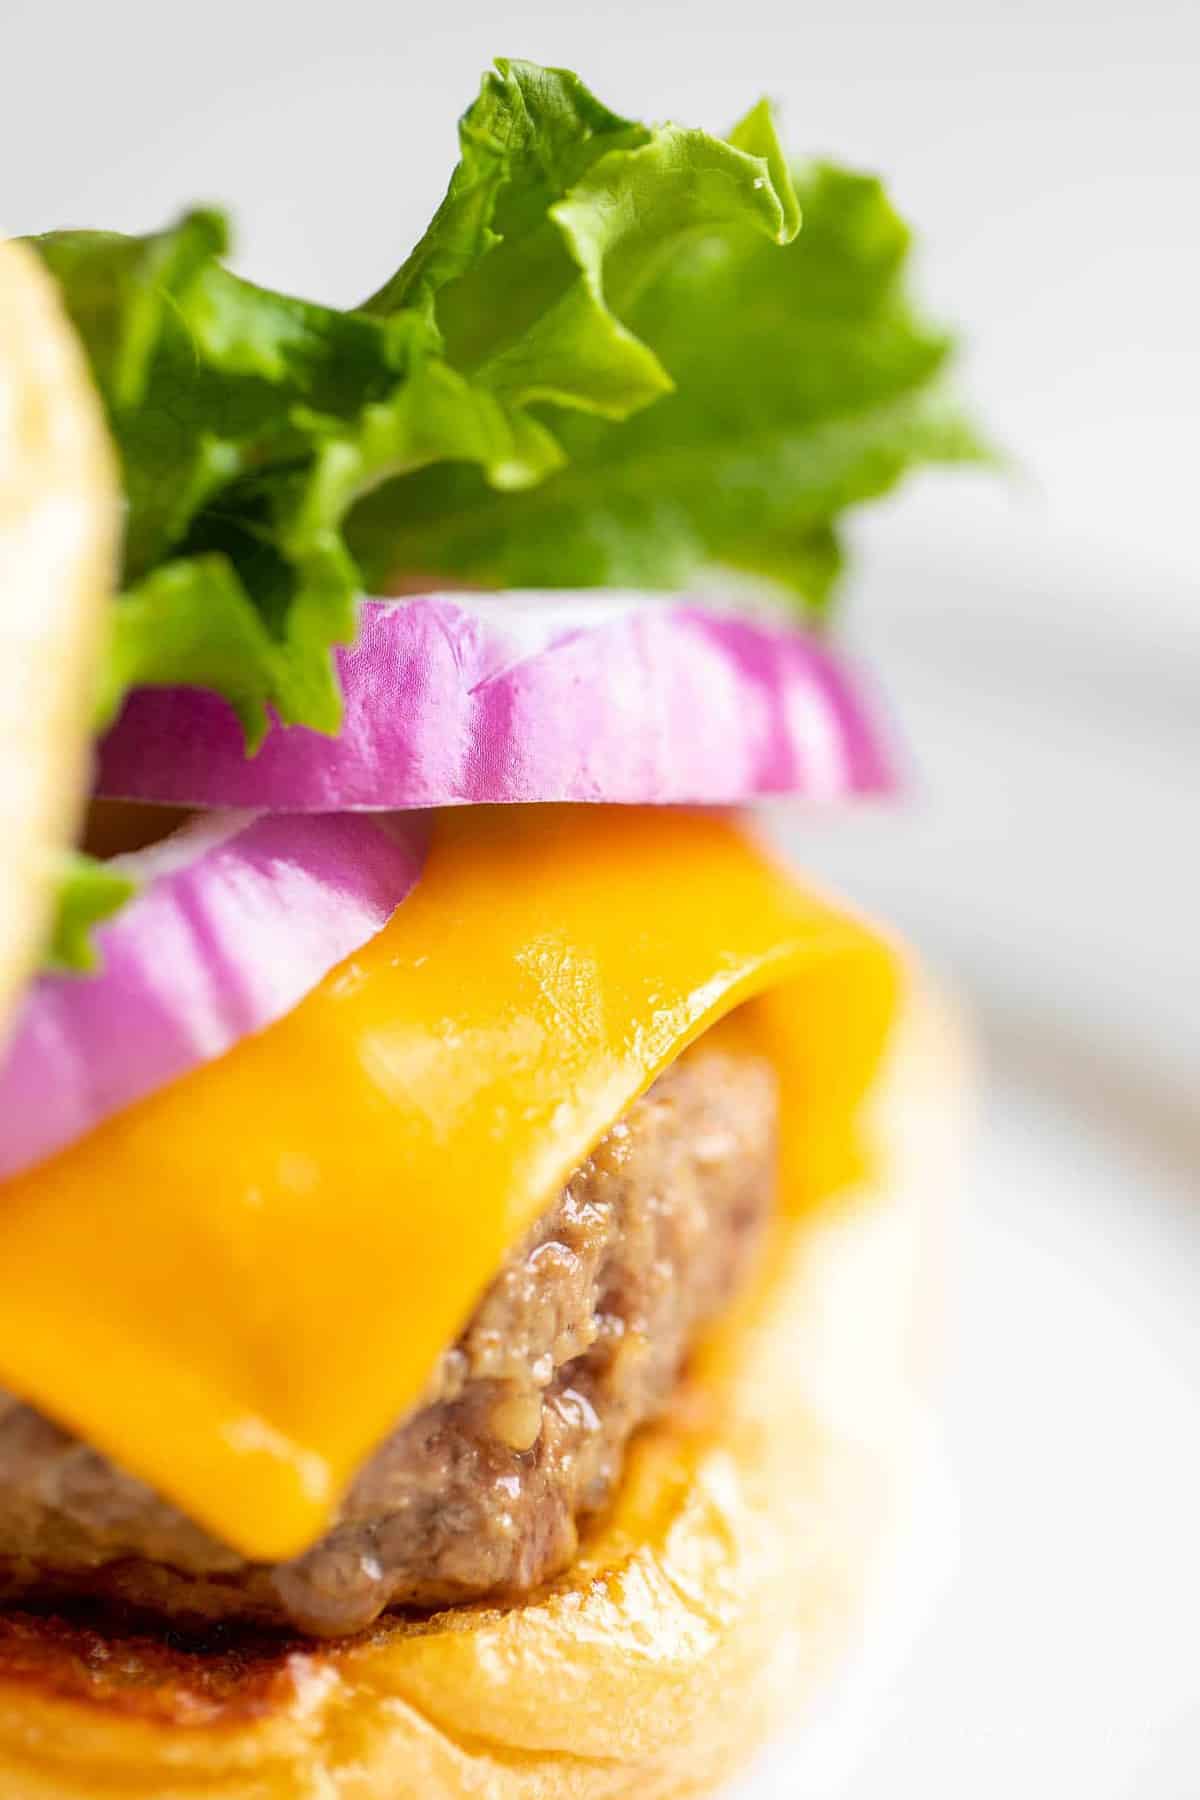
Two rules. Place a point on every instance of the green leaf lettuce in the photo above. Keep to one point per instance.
(251, 424)
(805, 382)
(88, 893)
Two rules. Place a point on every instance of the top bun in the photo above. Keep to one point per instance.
(59, 526)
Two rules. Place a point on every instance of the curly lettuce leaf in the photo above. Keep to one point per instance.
(251, 423)
(805, 380)
(556, 217)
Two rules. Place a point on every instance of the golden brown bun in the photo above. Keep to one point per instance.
(59, 521)
(709, 1606)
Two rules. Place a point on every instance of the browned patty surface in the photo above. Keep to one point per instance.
(522, 1434)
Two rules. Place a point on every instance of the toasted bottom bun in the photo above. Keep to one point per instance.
(704, 1611)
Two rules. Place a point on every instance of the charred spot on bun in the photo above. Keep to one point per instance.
(463, 1198)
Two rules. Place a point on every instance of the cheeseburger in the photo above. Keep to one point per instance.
(461, 1195)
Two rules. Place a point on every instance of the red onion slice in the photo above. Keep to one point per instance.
(238, 918)
(470, 699)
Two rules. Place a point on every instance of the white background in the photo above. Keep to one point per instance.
(1040, 639)
(1048, 148)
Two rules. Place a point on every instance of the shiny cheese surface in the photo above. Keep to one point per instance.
(238, 1286)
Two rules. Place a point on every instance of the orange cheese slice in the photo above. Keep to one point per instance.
(238, 1286)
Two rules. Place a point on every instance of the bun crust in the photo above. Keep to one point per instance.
(59, 523)
(707, 1608)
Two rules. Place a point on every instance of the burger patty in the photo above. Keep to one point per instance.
(522, 1434)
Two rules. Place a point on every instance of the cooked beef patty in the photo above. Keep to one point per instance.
(522, 1434)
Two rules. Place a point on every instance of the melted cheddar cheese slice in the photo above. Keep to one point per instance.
(238, 1286)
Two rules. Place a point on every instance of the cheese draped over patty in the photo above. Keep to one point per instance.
(238, 1286)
